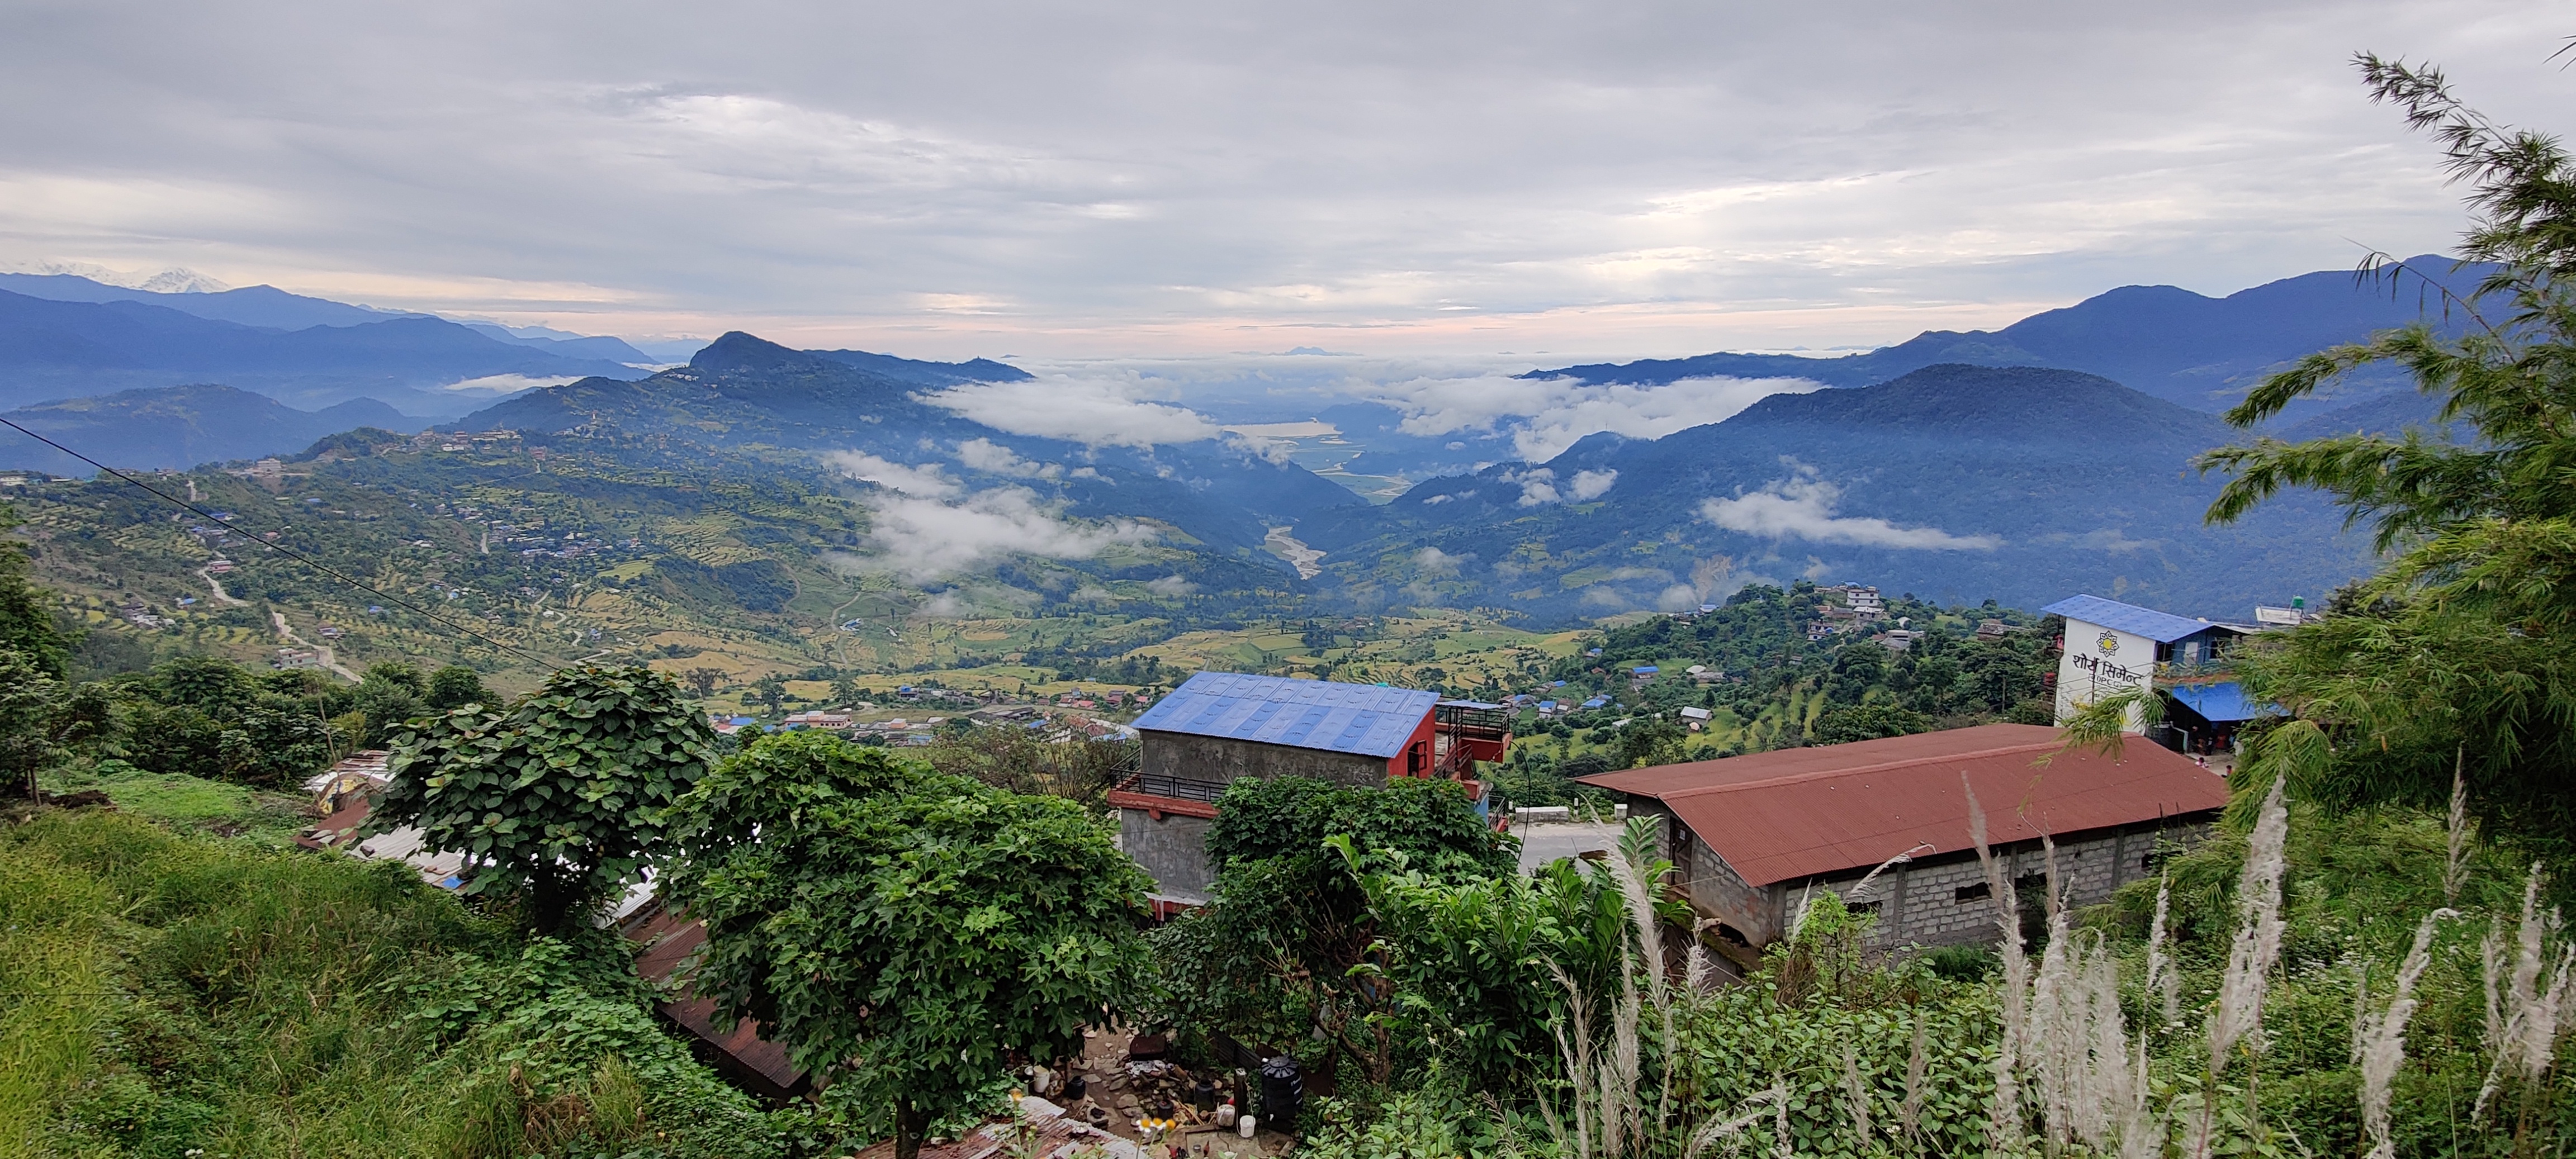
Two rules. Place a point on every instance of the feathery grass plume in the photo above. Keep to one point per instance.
(2239, 1017)
(1780, 1121)
(2162, 978)
(1764, 1104)
(1858, 1092)
(1575, 1050)
(2248, 978)
(2007, 1131)
(2087, 1081)
(1610, 1114)
(2455, 869)
(2379, 1037)
(2523, 1029)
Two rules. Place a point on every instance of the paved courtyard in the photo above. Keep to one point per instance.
(1543, 843)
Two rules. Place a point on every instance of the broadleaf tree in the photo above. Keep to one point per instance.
(560, 800)
(907, 934)
(1270, 960)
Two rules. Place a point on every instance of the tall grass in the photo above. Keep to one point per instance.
(54, 996)
(169, 994)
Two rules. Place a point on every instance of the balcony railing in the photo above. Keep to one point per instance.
(1177, 788)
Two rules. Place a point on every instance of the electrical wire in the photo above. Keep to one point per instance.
(273, 545)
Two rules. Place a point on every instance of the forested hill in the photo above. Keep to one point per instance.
(744, 393)
(1961, 483)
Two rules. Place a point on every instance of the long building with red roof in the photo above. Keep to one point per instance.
(1752, 836)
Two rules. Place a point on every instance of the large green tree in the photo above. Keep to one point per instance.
(905, 931)
(2460, 656)
(1269, 960)
(560, 801)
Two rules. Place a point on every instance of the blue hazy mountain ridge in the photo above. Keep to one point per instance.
(276, 309)
(575, 346)
(265, 306)
(1955, 482)
(53, 349)
(178, 427)
(746, 394)
(2177, 345)
(928, 373)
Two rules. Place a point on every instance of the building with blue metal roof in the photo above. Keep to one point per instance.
(1359, 719)
(1221, 727)
(2111, 647)
(2161, 627)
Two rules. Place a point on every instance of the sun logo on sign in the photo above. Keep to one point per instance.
(2109, 643)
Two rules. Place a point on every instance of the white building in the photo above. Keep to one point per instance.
(2112, 647)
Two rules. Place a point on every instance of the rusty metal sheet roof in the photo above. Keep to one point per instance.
(668, 939)
(1796, 813)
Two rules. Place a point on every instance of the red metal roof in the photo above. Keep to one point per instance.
(1795, 813)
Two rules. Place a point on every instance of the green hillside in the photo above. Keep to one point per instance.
(515, 561)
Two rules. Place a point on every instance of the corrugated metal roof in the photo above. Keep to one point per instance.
(1366, 719)
(1795, 813)
(668, 940)
(2161, 627)
(2218, 702)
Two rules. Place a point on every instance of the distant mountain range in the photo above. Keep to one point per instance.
(2183, 347)
(1953, 481)
(62, 349)
(745, 394)
(177, 427)
(2048, 456)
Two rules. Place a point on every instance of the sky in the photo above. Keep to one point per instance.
(1497, 182)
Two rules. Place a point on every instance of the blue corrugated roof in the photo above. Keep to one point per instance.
(2160, 627)
(2219, 703)
(1367, 719)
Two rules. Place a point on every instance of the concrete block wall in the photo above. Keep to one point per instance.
(1222, 761)
(1172, 849)
(1919, 903)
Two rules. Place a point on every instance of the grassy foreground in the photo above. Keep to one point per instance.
(190, 997)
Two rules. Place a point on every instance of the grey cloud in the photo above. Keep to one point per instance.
(1804, 506)
(1654, 180)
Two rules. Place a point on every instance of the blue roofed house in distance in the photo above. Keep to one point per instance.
(2111, 647)
(1220, 727)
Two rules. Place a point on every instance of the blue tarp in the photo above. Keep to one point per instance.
(2219, 703)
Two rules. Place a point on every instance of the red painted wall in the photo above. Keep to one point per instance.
(1421, 735)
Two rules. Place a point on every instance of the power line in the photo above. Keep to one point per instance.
(272, 545)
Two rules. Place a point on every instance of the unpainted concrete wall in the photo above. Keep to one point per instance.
(1173, 850)
(1217, 759)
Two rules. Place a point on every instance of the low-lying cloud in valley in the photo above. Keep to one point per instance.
(1803, 506)
(926, 480)
(1539, 486)
(1544, 416)
(925, 539)
(1092, 412)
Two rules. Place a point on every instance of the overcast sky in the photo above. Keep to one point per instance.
(1069, 181)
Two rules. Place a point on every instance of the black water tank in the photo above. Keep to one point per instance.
(1283, 1092)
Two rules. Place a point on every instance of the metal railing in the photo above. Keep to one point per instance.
(1177, 788)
